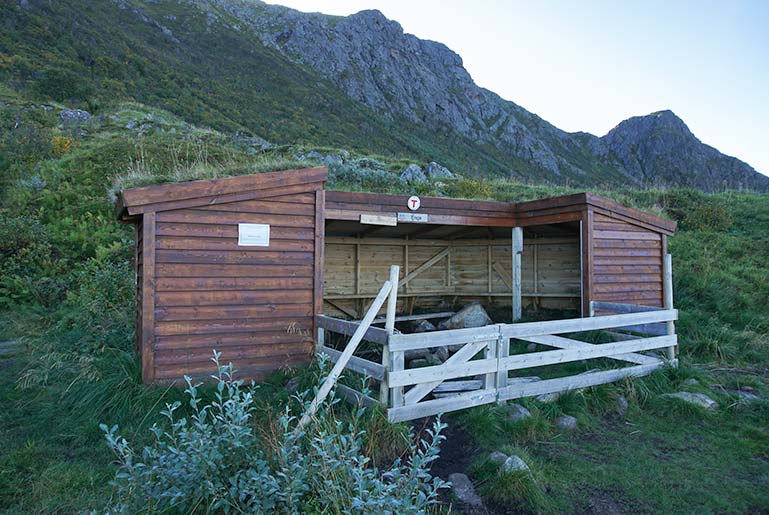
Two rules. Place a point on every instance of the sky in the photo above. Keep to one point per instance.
(586, 65)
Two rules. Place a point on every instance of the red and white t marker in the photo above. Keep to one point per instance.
(414, 203)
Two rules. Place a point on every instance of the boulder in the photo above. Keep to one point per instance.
(497, 457)
(419, 363)
(472, 315)
(292, 385)
(697, 399)
(423, 326)
(517, 412)
(747, 396)
(410, 355)
(414, 173)
(690, 382)
(548, 397)
(464, 490)
(332, 160)
(566, 423)
(622, 405)
(435, 171)
(74, 116)
(514, 464)
(441, 353)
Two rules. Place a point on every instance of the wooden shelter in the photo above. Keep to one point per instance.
(253, 266)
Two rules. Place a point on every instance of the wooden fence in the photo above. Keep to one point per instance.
(479, 372)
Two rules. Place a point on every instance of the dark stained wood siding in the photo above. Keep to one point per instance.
(252, 304)
(626, 262)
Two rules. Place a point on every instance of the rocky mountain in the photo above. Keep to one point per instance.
(357, 81)
(398, 74)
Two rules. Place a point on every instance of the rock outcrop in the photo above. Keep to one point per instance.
(403, 77)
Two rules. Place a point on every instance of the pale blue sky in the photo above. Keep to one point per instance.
(587, 65)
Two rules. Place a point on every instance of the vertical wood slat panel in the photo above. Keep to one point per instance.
(628, 246)
(148, 298)
(320, 230)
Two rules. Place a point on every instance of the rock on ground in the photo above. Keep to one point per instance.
(414, 173)
(435, 171)
(472, 315)
(745, 395)
(691, 382)
(622, 405)
(74, 116)
(498, 457)
(423, 326)
(697, 399)
(514, 464)
(566, 423)
(464, 490)
(517, 412)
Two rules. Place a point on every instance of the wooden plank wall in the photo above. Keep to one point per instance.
(627, 262)
(252, 304)
(473, 270)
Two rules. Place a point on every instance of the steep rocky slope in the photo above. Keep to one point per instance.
(358, 82)
(398, 74)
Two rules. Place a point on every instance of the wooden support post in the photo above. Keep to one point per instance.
(517, 251)
(670, 326)
(392, 302)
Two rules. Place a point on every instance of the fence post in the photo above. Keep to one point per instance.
(392, 301)
(667, 271)
(517, 251)
(503, 351)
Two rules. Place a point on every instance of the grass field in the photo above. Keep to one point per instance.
(66, 293)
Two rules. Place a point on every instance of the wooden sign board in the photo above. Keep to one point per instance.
(414, 218)
(371, 219)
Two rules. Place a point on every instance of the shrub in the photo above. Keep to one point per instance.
(214, 461)
(61, 145)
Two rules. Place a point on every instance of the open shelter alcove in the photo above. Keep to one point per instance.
(262, 267)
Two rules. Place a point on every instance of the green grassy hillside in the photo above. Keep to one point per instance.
(92, 55)
(66, 290)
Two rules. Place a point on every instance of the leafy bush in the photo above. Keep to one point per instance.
(214, 461)
(29, 271)
(697, 211)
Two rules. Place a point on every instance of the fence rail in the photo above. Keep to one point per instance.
(483, 363)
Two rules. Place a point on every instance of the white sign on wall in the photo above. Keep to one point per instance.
(254, 235)
(414, 203)
(413, 217)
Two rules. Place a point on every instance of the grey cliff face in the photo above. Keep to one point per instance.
(401, 76)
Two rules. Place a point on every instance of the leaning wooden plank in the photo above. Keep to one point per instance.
(337, 325)
(356, 364)
(553, 357)
(424, 266)
(442, 372)
(354, 396)
(562, 384)
(567, 343)
(357, 337)
(618, 307)
(462, 355)
(443, 338)
(433, 407)
(574, 325)
(503, 274)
